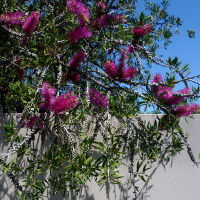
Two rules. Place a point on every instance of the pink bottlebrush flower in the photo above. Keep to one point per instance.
(101, 6)
(80, 10)
(31, 122)
(97, 98)
(31, 22)
(77, 59)
(174, 100)
(184, 91)
(79, 33)
(111, 69)
(73, 5)
(83, 17)
(12, 18)
(47, 90)
(142, 30)
(48, 93)
(119, 72)
(194, 108)
(186, 110)
(45, 105)
(157, 78)
(164, 93)
(129, 73)
(63, 103)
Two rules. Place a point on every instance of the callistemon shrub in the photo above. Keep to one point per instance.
(73, 68)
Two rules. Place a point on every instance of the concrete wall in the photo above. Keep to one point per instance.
(178, 180)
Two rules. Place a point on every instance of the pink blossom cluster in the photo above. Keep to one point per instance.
(111, 69)
(12, 18)
(31, 22)
(129, 73)
(17, 18)
(31, 122)
(139, 32)
(77, 59)
(83, 15)
(119, 73)
(103, 19)
(97, 98)
(166, 95)
(78, 33)
(101, 6)
(80, 10)
(58, 104)
(63, 103)
(48, 93)
(185, 110)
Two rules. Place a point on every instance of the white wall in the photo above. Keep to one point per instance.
(178, 180)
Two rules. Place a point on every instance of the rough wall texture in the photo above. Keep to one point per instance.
(178, 180)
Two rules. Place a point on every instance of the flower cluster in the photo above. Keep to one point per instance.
(111, 69)
(139, 32)
(31, 122)
(17, 18)
(77, 59)
(129, 73)
(78, 33)
(103, 19)
(120, 71)
(80, 10)
(12, 18)
(31, 22)
(58, 104)
(48, 93)
(166, 95)
(101, 6)
(186, 110)
(63, 103)
(83, 15)
(97, 98)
